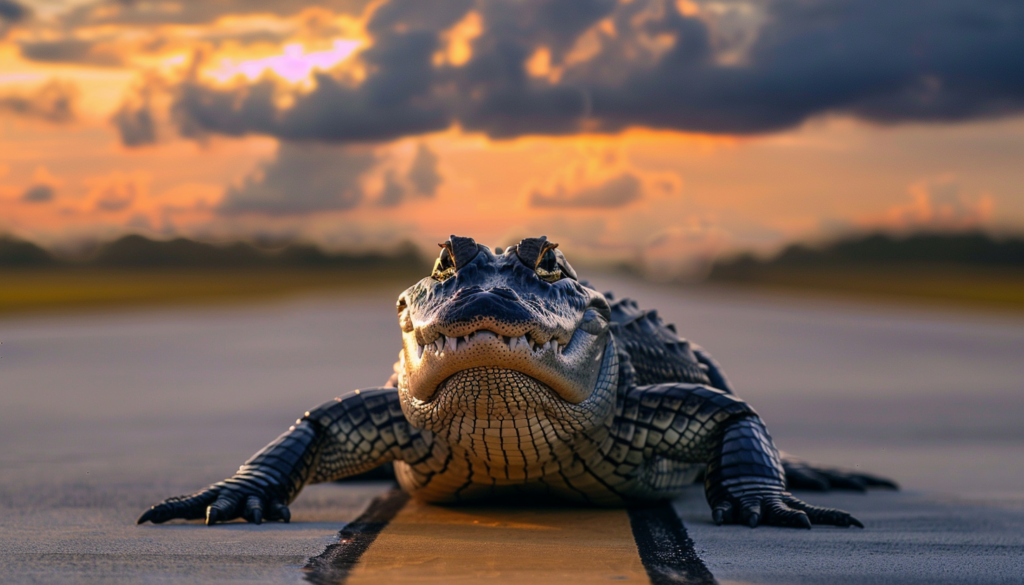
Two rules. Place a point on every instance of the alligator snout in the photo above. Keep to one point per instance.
(476, 312)
(501, 304)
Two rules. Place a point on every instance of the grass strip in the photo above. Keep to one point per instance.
(35, 290)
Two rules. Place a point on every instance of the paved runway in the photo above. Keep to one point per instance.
(102, 415)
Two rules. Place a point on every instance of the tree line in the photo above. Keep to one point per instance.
(975, 249)
(135, 251)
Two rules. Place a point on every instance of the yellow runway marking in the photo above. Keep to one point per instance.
(434, 544)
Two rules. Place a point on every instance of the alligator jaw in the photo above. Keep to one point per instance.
(570, 368)
(447, 346)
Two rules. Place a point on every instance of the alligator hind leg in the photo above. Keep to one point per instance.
(802, 475)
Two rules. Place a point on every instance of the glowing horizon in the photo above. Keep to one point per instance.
(354, 124)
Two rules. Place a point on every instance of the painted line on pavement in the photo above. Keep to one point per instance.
(334, 565)
(403, 541)
(665, 547)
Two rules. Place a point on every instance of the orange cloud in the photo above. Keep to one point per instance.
(938, 203)
(54, 101)
(456, 43)
(601, 180)
(116, 192)
(684, 251)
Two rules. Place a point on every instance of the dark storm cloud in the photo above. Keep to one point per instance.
(393, 192)
(302, 178)
(53, 102)
(11, 11)
(400, 97)
(135, 125)
(615, 192)
(423, 173)
(883, 61)
(131, 27)
(421, 180)
(38, 194)
(70, 50)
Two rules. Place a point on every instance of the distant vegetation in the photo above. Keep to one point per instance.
(18, 253)
(968, 249)
(140, 252)
(972, 268)
(138, 271)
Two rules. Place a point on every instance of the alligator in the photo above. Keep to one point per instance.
(517, 381)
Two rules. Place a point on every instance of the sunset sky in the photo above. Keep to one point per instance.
(621, 129)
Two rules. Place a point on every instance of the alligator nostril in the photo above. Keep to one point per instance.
(467, 291)
(505, 293)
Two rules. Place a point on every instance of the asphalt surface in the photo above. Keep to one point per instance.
(102, 415)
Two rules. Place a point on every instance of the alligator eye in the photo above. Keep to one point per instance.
(548, 261)
(444, 267)
(548, 267)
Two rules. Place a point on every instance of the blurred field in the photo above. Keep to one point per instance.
(991, 288)
(49, 289)
(956, 268)
(55, 289)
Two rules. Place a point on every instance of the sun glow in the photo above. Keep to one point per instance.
(295, 65)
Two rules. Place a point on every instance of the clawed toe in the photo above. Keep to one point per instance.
(781, 515)
(279, 511)
(253, 510)
(185, 507)
(148, 515)
(826, 516)
(722, 513)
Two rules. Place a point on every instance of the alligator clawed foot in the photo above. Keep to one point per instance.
(781, 510)
(217, 505)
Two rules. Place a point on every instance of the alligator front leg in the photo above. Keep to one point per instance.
(744, 481)
(343, 437)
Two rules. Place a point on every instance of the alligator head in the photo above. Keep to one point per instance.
(495, 345)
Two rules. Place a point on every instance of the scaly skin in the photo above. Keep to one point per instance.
(516, 380)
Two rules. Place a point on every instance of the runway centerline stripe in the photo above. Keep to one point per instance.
(403, 541)
(666, 549)
(334, 565)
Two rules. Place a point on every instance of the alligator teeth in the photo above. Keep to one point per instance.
(445, 344)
